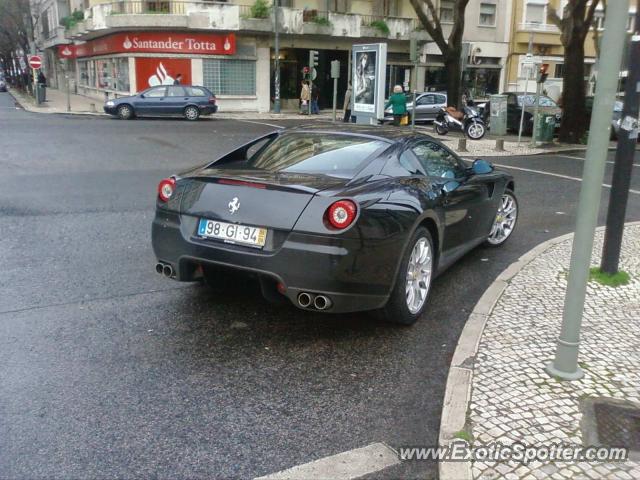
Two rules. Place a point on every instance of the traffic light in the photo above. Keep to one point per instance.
(313, 58)
(542, 73)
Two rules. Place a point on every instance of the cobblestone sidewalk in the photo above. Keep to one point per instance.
(514, 400)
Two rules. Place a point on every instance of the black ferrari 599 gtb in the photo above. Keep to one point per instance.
(334, 220)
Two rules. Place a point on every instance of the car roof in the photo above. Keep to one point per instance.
(523, 93)
(390, 134)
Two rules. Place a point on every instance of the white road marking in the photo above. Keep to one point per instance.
(571, 156)
(258, 123)
(342, 466)
(558, 175)
(580, 158)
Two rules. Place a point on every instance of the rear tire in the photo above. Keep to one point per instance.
(440, 130)
(191, 113)
(397, 309)
(125, 112)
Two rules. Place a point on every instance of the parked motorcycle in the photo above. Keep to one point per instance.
(468, 121)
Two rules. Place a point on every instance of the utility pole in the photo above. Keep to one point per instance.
(413, 56)
(565, 364)
(623, 166)
(276, 61)
(335, 74)
(528, 62)
(66, 77)
(541, 78)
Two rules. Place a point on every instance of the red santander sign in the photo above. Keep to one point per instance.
(66, 51)
(159, 42)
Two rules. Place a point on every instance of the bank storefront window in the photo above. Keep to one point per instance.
(87, 71)
(113, 74)
(230, 77)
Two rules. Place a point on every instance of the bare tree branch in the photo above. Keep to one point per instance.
(433, 28)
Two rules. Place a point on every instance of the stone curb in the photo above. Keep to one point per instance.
(26, 105)
(460, 379)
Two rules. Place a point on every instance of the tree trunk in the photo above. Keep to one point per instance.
(454, 73)
(574, 123)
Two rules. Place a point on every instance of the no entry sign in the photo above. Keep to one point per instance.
(35, 61)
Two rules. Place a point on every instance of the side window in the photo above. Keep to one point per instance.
(437, 161)
(511, 100)
(441, 99)
(175, 91)
(156, 92)
(408, 163)
(195, 92)
(427, 100)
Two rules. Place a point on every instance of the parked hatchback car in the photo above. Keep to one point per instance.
(3, 85)
(165, 100)
(428, 105)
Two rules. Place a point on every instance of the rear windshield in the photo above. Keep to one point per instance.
(333, 155)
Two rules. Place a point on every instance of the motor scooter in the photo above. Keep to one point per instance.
(468, 121)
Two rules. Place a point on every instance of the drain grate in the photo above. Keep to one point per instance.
(618, 425)
(611, 423)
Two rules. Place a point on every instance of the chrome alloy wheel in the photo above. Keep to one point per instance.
(419, 275)
(505, 220)
(191, 113)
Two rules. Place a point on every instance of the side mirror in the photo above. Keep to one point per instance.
(142, 95)
(481, 167)
(450, 186)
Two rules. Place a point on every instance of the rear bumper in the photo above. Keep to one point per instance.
(354, 276)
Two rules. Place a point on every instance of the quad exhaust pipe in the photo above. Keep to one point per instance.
(304, 300)
(319, 302)
(164, 269)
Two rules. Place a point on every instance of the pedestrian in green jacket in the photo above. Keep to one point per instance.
(398, 103)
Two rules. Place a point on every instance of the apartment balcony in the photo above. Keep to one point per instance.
(538, 27)
(543, 34)
(217, 16)
(53, 37)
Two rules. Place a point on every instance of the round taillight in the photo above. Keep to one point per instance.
(342, 213)
(166, 188)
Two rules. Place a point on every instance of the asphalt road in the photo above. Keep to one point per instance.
(109, 370)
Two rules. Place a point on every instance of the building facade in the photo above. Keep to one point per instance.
(92, 35)
(531, 25)
(115, 48)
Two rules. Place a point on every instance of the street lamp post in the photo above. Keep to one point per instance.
(276, 63)
(623, 167)
(565, 364)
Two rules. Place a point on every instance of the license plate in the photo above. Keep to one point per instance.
(232, 232)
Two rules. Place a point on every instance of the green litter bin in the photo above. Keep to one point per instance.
(545, 127)
(41, 91)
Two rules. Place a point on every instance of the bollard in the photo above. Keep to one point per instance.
(462, 144)
(499, 145)
(92, 108)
